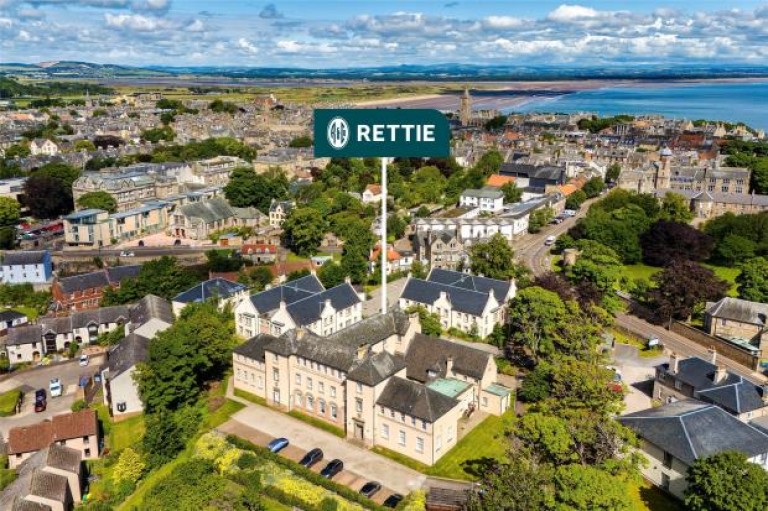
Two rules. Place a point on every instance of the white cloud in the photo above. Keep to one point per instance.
(245, 44)
(136, 22)
(195, 26)
(570, 13)
(300, 47)
(503, 22)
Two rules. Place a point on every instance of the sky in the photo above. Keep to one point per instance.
(355, 33)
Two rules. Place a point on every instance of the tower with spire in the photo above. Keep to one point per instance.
(465, 108)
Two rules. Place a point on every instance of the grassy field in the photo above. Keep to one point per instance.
(647, 497)
(8, 401)
(127, 433)
(645, 272)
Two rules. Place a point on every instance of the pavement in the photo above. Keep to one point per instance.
(260, 425)
(372, 306)
(39, 378)
(638, 374)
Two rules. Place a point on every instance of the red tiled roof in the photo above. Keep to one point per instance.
(374, 189)
(498, 180)
(62, 427)
(258, 248)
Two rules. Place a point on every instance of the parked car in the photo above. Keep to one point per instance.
(332, 468)
(393, 500)
(557, 220)
(550, 240)
(311, 457)
(40, 395)
(55, 387)
(126, 253)
(84, 359)
(40, 406)
(569, 212)
(370, 488)
(278, 444)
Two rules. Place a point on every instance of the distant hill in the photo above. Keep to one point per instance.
(73, 69)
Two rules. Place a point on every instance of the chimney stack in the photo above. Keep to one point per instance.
(712, 356)
(674, 363)
(720, 374)
(449, 367)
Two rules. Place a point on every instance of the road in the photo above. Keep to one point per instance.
(38, 378)
(137, 251)
(536, 256)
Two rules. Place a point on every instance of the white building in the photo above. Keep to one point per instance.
(26, 267)
(372, 194)
(487, 200)
(42, 146)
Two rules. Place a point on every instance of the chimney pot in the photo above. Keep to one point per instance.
(712, 356)
(674, 362)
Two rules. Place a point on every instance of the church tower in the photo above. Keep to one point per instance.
(465, 110)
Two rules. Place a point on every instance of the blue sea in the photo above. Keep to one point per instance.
(745, 102)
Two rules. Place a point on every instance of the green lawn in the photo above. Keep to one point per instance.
(645, 272)
(127, 433)
(222, 414)
(30, 312)
(253, 398)
(647, 497)
(8, 401)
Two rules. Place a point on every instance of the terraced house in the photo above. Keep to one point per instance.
(380, 380)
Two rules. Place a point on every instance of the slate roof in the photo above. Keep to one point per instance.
(116, 274)
(28, 505)
(210, 211)
(26, 334)
(98, 279)
(151, 307)
(19, 488)
(427, 354)
(307, 310)
(19, 258)
(500, 288)
(376, 368)
(483, 193)
(463, 300)
(290, 292)
(734, 393)
(64, 458)
(740, 310)
(100, 316)
(47, 485)
(690, 430)
(415, 399)
(213, 288)
(253, 348)
(10, 315)
(127, 353)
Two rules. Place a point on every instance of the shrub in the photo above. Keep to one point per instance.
(129, 467)
(247, 460)
(79, 405)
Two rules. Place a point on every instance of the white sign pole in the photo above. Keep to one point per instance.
(383, 235)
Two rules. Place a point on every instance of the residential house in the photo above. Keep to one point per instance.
(675, 435)
(706, 381)
(372, 194)
(473, 230)
(148, 317)
(11, 318)
(213, 171)
(397, 260)
(76, 430)
(223, 291)
(737, 320)
(43, 147)
(198, 220)
(12, 187)
(278, 212)
(259, 253)
(359, 379)
(52, 479)
(26, 267)
(439, 249)
(472, 304)
(85, 291)
(300, 303)
(487, 200)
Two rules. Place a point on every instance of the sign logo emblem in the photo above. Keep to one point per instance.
(338, 133)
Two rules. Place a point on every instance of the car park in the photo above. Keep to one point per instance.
(370, 488)
(84, 359)
(332, 468)
(393, 500)
(55, 387)
(311, 458)
(278, 444)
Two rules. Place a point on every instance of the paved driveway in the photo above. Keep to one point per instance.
(38, 378)
(260, 425)
(638, 373)
(394, 290)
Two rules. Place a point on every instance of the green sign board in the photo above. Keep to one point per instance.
(385, 133)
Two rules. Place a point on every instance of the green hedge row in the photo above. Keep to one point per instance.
(305, 473)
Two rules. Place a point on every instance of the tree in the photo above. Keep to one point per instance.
(537, 385)
(675, 208)
(753, 280)
(735, 248)
(512, 193)
(597, 264)
(668, 241)
(429, 321)
(535, 315)
(418, 271)
(613, 172)
(296, 275)
(301, 141)
(220, 106)
(97, 200)
(246, 188)
(84, 145)
(331, 274)
(18, 151)
(495, 123)
(163, 277)
(489, 163)
(155, 135)
(516, 484)
(304, 230)
(46, 197)
(396, 226)
(726, 482)
(539, 218)
(10, 210)
(587, 488)
(594, 187)
(257, 278)
(682, 287)
(618, 228)
(494, 258)
(575, 200)
(129, 467)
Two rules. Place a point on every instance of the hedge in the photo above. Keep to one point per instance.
(8, 402)
(306, 473)
(318, 423)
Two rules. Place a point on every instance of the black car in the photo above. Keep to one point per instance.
(332, 468)
(370, 488)
(311, 457)
(393, 500)
(40, 395)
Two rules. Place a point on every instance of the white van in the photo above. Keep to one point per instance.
(550, 240)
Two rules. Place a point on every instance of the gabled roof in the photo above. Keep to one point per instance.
(429, 354)
(740, 310)
(415, 400)
(49, 486)
(127, 353)
(26, 334)
(28, 505)
(308, 310)
(253, 348)
(31, 257)
(734, 393)
(116, 274)
(10, 315)
(96, 279)
(690, 430)
(290, 292)
(463, 300)
(376, 368)
(214, 288)
(151, 307)
(100, 316)
(64, 458)
(500, 288)
(209, 211)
